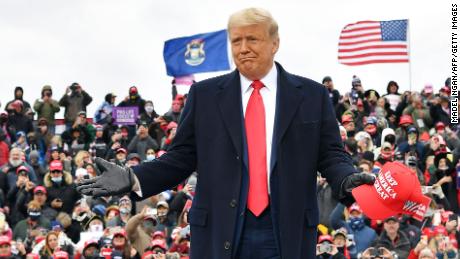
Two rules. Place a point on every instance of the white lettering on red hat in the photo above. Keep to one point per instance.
(383, 186)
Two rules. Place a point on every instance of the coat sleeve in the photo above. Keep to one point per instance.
(178, 163)
(334, 163)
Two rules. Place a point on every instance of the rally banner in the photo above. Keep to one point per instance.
(125, 115)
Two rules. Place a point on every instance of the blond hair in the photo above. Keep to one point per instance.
(252, 16)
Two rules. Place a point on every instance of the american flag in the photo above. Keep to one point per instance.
(369, 42)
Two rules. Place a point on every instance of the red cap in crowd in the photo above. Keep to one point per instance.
(405, 119)
(159, 243)
(40, 188)
(61, 255)
(440, 125)
(395, 190)
(324, 238)
(120, 232)
(122, 150)
(22, 168)
(355, 207)
(158, 234)
(5, 240)
(56, 165)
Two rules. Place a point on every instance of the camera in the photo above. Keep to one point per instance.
(325, 247)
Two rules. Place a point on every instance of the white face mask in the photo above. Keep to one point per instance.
(96, 228)
(150, 157)
(149, 109)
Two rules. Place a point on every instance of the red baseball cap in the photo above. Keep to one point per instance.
(22, 168)
(61, 255)
(158, 234)
(405, 119)
(395, 190)
(158, 243)
(5, 240)
(324, 238)
(440, 125)
(41, 189)
(355, 207)
(56, 165)
(122, 150)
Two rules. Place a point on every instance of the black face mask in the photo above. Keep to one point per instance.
(3, 119)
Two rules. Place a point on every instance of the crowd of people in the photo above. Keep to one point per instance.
(43, 216)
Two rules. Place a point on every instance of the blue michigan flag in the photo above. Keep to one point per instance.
(199, 53)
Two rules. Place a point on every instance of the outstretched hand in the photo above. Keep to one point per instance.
(115, 180)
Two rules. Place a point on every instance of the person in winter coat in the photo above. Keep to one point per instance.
(61, 190)
(140, 228)
(392, 96)
(133, 99)
(103, 114)
(18, 120)
(74, 100)
(142, 141)
(24, 230)
(362, 234)
(393, 238)
(15, 160)
(440, 110)
(46, 107)
(18, 95)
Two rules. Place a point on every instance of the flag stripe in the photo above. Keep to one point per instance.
(374, 54)
(398, 46)
(376, 61)
(360, 29)
(360, 35)
(371, 42)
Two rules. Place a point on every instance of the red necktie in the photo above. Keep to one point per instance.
(257, 151)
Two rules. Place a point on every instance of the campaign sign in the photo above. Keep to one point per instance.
(125, 115)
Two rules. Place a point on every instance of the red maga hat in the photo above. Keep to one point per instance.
(395, 190)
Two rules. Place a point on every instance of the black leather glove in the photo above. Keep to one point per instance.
(352, 181)
(115, 180)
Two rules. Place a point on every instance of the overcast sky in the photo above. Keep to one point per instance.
(109, 45)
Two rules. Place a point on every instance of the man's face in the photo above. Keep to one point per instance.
(329, 84)
(253, 50)
(5, 249)
(391, 226)
(15, 155)
(40, 197)
(176, 106)
(121, 156)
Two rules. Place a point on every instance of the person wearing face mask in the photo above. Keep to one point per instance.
(47, 107)
(133, 99)
(151, 117)
(142, 141)
(34, 220)
(125, 207)
(61, 190)
(386, 155)
(140, 229)
(356, 227)
(149, 155)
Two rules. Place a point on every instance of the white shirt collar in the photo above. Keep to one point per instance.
(269, 80)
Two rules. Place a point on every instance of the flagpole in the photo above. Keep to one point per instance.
(409, 54)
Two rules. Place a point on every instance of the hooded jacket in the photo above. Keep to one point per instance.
(64, 191)
(46, 110)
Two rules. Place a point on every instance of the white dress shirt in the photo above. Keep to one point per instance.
(268, 93)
